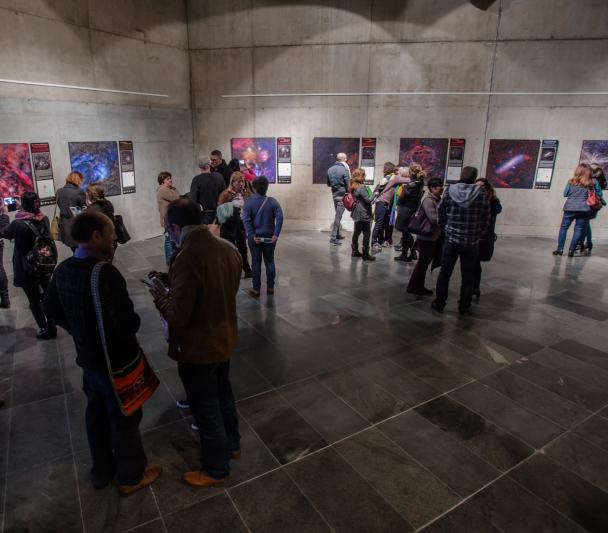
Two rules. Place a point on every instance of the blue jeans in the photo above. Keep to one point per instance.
(212, 403)
(382, 217)
(258, 252)
(169, 248)
(581, 219)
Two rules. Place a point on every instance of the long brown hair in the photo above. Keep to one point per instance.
(582, 176)
(485, 183)
(95, 192)
(357, 179)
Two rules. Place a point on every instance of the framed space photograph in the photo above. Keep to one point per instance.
(512, 163)
(260, 153)
(15, 170)
(431, 154)
(595, 153)
(98, 163)
(325, 150)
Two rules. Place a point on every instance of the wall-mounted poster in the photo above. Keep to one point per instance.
(15, 170)
(325, 151)
(455, 160)
(127, 166)
(546, 164)
(259, 153)
(98, 163)
(512, 163)
(368, 158)
(431, 154)
(595, 153)
(43, 172)
(284, 160)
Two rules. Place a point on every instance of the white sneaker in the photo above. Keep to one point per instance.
(194, 427)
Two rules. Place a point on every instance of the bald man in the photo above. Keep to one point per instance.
(338, 178)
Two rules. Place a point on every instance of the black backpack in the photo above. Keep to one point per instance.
(41, 260)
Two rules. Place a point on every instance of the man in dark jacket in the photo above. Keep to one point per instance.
(205, 190)
(218, 164)
(338, 178)
(464, 215)
(200, 309)
(114, 439)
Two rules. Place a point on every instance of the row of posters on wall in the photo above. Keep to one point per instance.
(28, 167)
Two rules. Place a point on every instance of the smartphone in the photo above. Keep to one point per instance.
(241, 161)
(155, 283)
(10, 203)
(147, 283)
(267, 240)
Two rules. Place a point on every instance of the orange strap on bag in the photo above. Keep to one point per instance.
(134, 383)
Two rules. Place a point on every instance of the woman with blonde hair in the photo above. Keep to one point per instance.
(361, 214)
(576, 208)
(71, 199)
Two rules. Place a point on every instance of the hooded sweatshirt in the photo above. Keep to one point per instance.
(464, 214)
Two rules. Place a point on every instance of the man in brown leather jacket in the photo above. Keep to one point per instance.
(199, 306)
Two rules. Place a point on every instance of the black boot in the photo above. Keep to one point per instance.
(367, 256)
(413, 255)
(5, 302)
(356, 252)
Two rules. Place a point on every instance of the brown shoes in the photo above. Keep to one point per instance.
(254, 293)
(235, 455)
(198, 478)
(150, 476)
(269, 291)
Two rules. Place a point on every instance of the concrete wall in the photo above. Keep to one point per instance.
(133, 45)
(274, 46)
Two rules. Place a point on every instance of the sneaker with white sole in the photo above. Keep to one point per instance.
(183, 404)
(194, 427)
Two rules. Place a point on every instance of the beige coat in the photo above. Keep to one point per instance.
(164, 196)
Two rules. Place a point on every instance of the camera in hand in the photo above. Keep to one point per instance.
(10, 203)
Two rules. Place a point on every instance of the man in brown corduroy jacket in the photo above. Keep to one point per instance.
(200, 309)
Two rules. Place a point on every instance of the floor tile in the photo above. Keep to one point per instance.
(503, 412)
(576, 391)
(323, 410)
(408, 486)
(594, 430)
(160, 409)
(356, 506)
(273, 503)
(583, 352)
(482, 347)
(281, 428)
(156, 526)
(43, 498)
(368, 399)
(535, 398)
(36, 381)
(587, 311)
(563, 490)
(463, 471)
(461, 520)
(211, 515)
(478, 434)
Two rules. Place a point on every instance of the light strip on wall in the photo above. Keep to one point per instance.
(421, 93)
(78, 88)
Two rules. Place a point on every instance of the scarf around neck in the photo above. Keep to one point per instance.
(26, 215)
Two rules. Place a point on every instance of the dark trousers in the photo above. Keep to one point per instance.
(212, 403)
(34, 291)
(241, 244)
(364, 227)
(426, 253)
(114, 438)
(258, 252)
(3, 277)
(382, 216)
(407, 242)
(468, 259)
(477, 277)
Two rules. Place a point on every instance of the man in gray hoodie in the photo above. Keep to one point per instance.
(464, 215)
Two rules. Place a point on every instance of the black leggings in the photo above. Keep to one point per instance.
(241, 244)
(3, 278)
(34, 290)
(365, 228)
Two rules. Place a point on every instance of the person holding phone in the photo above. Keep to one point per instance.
(4, 298)
(263, 219)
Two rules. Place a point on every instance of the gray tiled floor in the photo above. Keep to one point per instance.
(361, 410)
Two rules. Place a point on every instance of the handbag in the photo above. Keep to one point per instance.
(420, 224)
(593, 199)
(134, 383)
(55, 231)
(122, 234)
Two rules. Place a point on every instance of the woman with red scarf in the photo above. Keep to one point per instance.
(22, 230)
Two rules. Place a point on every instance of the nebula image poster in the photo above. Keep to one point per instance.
(595, 153)
(431, 154)
(260, 153)
(324, 153)
(98, 163)
(15, 170)
(512, 163)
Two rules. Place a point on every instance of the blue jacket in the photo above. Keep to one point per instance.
(338, 179)
(576, 198)
(262, 221)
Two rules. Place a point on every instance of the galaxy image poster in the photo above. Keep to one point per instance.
(16, 175)
(325, 151)
(260, 153)
(595, 153)
(98, 162)
(431, 154)
(512, 163)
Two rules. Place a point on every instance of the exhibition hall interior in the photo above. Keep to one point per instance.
(305, 265)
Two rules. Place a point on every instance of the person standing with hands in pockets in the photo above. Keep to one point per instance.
(263, 219)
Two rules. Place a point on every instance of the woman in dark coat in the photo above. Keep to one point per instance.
(20, 231)
(71, 199)
(407, 204)
(97, 202)
(361, 215)
(486, 245)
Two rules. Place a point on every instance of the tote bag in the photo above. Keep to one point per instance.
(134, 383)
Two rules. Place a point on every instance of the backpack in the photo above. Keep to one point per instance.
(349, 201)
(41, 260)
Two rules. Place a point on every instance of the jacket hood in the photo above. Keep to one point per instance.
(464, 194)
